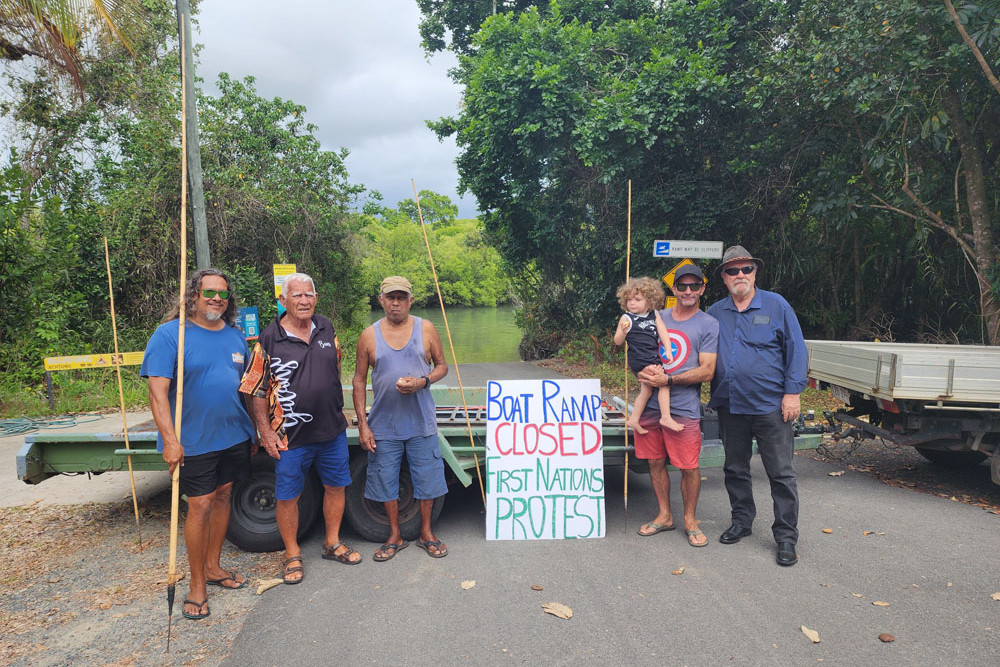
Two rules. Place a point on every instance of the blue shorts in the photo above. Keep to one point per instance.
(332, 463)
(426, 469)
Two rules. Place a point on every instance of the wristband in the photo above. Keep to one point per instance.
(670, 380)
(427, 381)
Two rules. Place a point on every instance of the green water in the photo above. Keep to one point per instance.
(480, 335)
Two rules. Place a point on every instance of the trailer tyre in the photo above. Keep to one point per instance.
(952, 459)
(368, 517)
(252, 524)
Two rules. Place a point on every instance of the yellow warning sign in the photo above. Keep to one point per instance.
(668, 277)
(93, 361)
(280, 271)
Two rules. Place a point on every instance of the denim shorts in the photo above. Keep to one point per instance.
(426, 469)
(332, 464)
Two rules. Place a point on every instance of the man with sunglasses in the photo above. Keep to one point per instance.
(694, 337)
(761, 372)
(215, 427)
(297, 402)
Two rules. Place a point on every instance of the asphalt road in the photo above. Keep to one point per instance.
(931, 559)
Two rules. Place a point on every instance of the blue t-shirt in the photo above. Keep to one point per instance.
(762, 355)
(213, 415)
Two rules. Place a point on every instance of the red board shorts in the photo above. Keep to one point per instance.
(682, 448)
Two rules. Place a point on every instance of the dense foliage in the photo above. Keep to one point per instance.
(851, 145)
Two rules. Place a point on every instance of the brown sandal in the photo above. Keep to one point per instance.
(287, 569)
(330, 553)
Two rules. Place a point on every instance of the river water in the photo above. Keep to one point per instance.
(480, 335)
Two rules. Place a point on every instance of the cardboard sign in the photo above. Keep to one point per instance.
(544, 460)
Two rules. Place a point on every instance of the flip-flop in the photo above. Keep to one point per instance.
(426, 546)
(232, 577)
(330, 553)
(286, 570)
(657, 528)
(195, 617)
(695, 533)
(389, 550)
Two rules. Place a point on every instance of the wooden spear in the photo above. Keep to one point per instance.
(444, 316)
(121, 393)
(182, 317)
(628, 268)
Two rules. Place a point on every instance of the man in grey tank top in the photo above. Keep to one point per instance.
(405, 356)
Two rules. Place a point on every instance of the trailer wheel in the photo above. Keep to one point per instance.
(950, 458)
(368, 518)
(252, 524)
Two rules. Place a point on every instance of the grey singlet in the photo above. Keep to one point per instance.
(396, 416)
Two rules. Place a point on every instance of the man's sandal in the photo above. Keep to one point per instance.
(693, 536)
(287, 569)
(221, 583)
(388, 550)
(441, 550)
(198, 616)
(330, 553)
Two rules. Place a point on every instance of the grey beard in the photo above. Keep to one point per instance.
(213, 316)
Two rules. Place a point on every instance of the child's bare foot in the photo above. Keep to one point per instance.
(668, 422)
(633, 424)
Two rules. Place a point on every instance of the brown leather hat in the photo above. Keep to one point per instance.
(737, 253)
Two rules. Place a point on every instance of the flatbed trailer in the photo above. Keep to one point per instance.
(944, 400)
(253, 526)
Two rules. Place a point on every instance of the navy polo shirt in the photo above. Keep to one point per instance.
(762, 355)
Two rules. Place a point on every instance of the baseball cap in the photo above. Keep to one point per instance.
(688, 270)
(396, 284)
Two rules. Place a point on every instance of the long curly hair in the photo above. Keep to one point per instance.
(649, 288)
(193, 290)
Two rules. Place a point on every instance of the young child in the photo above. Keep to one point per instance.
(644, 331)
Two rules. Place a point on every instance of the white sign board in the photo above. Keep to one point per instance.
(544, 460)
(703, 249)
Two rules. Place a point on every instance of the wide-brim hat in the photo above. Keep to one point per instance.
(396, 284)
(737, 253)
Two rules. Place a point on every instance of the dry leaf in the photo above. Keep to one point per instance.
(949, 584)
(880, 603)
(885, 637)
(995, 596)
(857, 595)
(536, 587)
(835, 474)
(268, 584)
(467, 584)
(557, 609)
(828, 530)
(679, 570)
(868, 532)
(811, 634)
(179, 575)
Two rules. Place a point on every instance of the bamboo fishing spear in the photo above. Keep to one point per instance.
(121, 393)
(628, 267)
(182, 317)
(444, 316)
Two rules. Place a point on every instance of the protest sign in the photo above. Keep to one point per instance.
(544, 460)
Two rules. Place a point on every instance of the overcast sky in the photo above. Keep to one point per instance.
(358, 68)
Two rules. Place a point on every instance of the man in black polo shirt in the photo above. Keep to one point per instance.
(297, 405)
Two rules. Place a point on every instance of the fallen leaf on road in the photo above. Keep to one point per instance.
(557, 609)
(835, 474)
(467, 584)
(868, 532)
(857, 595)
(536, 587)
(811, 634)
(268, 584)
(880, 603)
(949, 584)
(828, 530)
(885, 637)
(995, 596)
(179, 575)
(679, 570)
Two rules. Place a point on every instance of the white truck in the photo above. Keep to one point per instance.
(944, 400)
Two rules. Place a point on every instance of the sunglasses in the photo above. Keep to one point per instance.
(210, 293)
(743, 269)
(684, 287)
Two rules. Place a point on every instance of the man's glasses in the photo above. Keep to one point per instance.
(210, 293)
(684, 287)
(737, 271)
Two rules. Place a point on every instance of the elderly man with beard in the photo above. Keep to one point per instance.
(216, 428)
(293, 381)
(405, 356)
(760, 374)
